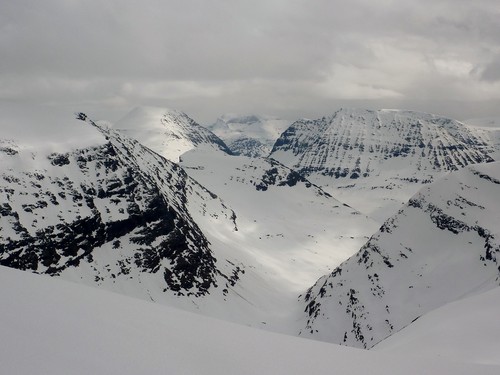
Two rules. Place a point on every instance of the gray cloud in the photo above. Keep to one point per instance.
(492, 71)
(288, 57)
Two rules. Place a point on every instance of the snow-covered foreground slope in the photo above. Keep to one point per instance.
(167, 132)
(444, 245)
(251, 135)
(466, 330)
(376, 160)
(50, 326)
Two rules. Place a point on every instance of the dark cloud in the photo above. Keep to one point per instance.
(276, 56)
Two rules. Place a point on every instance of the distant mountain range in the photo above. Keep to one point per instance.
(345, 229)
(250, 135)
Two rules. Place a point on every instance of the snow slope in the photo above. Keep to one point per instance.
(376, 160)
(44, 129)
(444, 245)
(289, 229)
(249, 135)
(53, 327)
(464, 330)
(488, 129)
(167, 132)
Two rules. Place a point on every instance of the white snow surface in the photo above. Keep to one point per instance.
(50, 326)
(293, 232)
(488, 129)
(466, 330)
(166, 131)
(44, 129)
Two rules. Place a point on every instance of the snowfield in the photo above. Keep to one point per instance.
(467, 329)
(50, 326)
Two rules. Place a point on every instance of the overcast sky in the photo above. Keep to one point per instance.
(291, 58)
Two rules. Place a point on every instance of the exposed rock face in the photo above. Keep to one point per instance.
(358, 143)
(379, 158)
(442, 246)
(115, 210)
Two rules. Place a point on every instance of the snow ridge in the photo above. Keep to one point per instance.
(168, 132)
(442, 246)
(111, 214)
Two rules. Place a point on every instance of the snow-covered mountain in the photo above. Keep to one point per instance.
(50, 326)
(112, 214)
(444, 245)
(117, 215)
(487, 129)
(239, 238)
(290, 231)
(249, 135)
(376, 160)
(167, 132)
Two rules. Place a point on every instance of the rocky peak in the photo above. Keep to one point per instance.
(108, 214)
(355, 143)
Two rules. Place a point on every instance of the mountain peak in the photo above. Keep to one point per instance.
(392, 150)
(249, 135)
(441, 246)
(168, 132)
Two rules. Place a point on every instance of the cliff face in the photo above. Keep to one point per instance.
(378, 159)
(354, 144)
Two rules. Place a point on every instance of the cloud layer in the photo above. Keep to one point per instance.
(293, 58)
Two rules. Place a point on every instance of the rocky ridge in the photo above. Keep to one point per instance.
(442, 246)
(107, 214)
